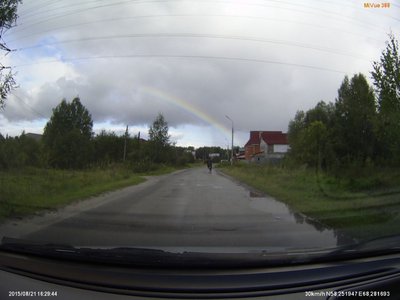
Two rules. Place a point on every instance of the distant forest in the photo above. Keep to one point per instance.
(68, 142)
(360, 129)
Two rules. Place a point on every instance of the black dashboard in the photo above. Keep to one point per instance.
(25, 276)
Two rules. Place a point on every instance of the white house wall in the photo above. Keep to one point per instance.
(263, 146)
(281, 148)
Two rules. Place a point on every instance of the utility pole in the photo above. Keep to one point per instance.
(126, 137)
(227, 149)
(232, 139)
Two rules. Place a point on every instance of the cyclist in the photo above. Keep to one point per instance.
(209, 164)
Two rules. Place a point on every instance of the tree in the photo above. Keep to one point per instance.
(108, 148)
(158, 131)
(315, 137)
(18, 152)
(8, 18)
(386, 76)
(321, 112)
(68, 134)
(314, 123)
(296, 137)
(159, 140)
(355, 119)
(204, 152)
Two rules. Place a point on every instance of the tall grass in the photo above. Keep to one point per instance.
(28, 190)
(364, 204)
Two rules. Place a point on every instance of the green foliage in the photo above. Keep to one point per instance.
(158, 145)
(204, 152)
(8, 14)
(295, 136)
(386, 76)
(322, 112)
(362, 206)
(358, 129)
(315, 137)
(355, 121)
(68, 143)
(309, 136)
(17, 152)
(27, 190)
(8, 17)
(224, 164)
(183, 156)
(331, 136)
(108, 148)
(143, 165)
(145, 156)
(7, 83)
(67, 136)
(158, 131)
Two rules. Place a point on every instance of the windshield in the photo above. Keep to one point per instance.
(200, 126)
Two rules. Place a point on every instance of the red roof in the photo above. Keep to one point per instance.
(274, 138)
(269, 137)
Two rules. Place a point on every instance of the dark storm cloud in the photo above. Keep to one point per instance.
(257, 62)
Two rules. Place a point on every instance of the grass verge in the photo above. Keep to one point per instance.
(30, 190)
(367, 212)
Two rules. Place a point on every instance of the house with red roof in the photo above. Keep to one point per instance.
(266, 145)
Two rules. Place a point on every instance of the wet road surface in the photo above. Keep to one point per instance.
(190, 208)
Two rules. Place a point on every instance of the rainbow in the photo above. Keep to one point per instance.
(190, 108)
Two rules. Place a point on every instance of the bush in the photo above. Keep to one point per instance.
(224, 163)
(143, 165)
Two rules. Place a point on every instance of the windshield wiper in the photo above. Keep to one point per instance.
(159, 258)
(179, 257)
(376, 246)
(137, 256)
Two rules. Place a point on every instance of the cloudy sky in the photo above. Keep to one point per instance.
(196, 62)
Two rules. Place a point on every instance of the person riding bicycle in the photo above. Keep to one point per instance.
(209, 164)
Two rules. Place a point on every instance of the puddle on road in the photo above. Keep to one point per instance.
(254, 194)
(259, 201)
(280, 213)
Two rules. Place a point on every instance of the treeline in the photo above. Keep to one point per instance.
(361, 128)
(20, 151)
(68, 142)
(204, 152)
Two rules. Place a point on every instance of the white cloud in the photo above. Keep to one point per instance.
(110, 53)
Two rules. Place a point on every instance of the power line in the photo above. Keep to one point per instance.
(29, 107)
(79, 11)
(34, 13)
(133, 2)
(52, 29)
(34, 8)
(209, 57)
(194, 35)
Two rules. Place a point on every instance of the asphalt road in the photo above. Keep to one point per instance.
(189, 208)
